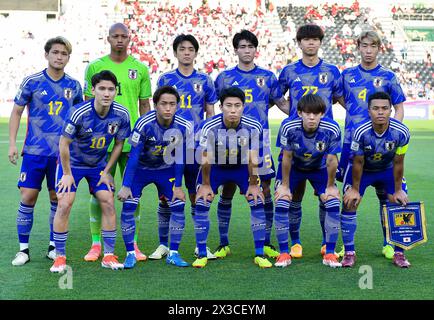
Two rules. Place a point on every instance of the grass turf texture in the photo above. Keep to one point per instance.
(235, 277)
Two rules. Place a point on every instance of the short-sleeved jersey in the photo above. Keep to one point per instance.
(323, 79)
(133, 83)
(196, 91)
(230, 147)
(379, 150)
(92, 134)
(260, 87)
(358, 85)
(153, 140)
(309, 150)
(48, 103)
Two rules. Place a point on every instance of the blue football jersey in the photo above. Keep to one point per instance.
(48, 104)
(379, 150)
(195, 91)
(323, 79)
(309, 150)
(91, 135)
(230, 147)
(358, 85)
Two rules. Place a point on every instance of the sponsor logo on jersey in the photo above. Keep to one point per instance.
(132, 74)
(198, 87)
(377, 82)
(260, 81)
(390, 145)
(152, 139)
(297, 80)
(323, 78)
(320, 146)
(235, 83)
(67, 93)
(113, 127)
(352, 81)
(44, 93)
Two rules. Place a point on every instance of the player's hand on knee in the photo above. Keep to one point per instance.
(124, 194)
(400, 197)
(13, 154)
(282, 192)
(352, 198)
(205, 192)
(65, 184)
(254, 192)
(178, 194)
(330, 193)
(107, 179)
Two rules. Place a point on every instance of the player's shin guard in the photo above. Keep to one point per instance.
(177, 223)
(109, 239)
(224, 209)
(201, 225)
(269, 212)
(24, 223)
(332, 224)
(295, 221)
(348, 226)
(60, 242)
(257, 222)
(163, 223)
(382, 197)
(53, 209)
(281, 224)
(322, 216)
(95, 214)
(128, 223)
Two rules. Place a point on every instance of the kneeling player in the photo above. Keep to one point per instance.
(310, 144)
(157, 137)
(378, 148)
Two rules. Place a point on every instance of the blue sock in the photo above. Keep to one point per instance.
(322, 216)
(163, 223)
(193, 209)
(201, 225)
(177, 223)
(281, 224)
(295, 221)
(332, 224)
(348, 226)
(24, 222)
(109, 240)
(399, 249)
(224, 209)
(382, 197)
(60, 241)
(53, 209)
(257, 218)
(128, 223)
(269, 212)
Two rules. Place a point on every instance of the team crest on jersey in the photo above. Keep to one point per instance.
(377, 82)
(323, 77)
(132, 74)
(67, 93)
(390, 145)
(260, 81)
(320, 146)
(242, 141)
(198, 87)
(113, 127)
(23, 176)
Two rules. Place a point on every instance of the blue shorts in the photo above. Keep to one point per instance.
(163, 179)
(92, 176)
(220, 176)
(380, 180)
(34, 169)
(317, 178)
(267, 170)
(344, 161)
(191, 172)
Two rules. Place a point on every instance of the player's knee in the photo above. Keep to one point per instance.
(28, 197)
(53, 196)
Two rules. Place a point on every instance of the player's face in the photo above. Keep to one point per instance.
(119, 40)
(185, 53)
(380, 111)
(57, 57)
(310, 46)
(246, 52)
(166, 107)
(368, 51)
(104, 92)
(310, 120)
(232, 109)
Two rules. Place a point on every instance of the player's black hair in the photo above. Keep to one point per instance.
(58, 40)
(311, 103)
(104, 75)
(232, 92)
(379, 95)
(310, 31)
(162, 90)
(244, 35)
(185, 37)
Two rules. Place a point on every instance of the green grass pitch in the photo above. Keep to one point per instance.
(235, 277)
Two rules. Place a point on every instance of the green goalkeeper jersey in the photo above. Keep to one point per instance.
(133, 84)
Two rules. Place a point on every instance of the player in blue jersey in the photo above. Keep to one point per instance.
(86, 136)
(197, 99)
(229, 144)
(310, 146)
(262, 90)
(359, 83)
(312, 75)
(160, 141)
(48, 95)
(378, 149)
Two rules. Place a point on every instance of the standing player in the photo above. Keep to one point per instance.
(197, 94)
(378, 149)
(359, 83)
(48, 95)
(310, 145)
(133, 92)
(86, 136)
(312, 75)
(261, 90)
(229, 144)
(156, 137)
